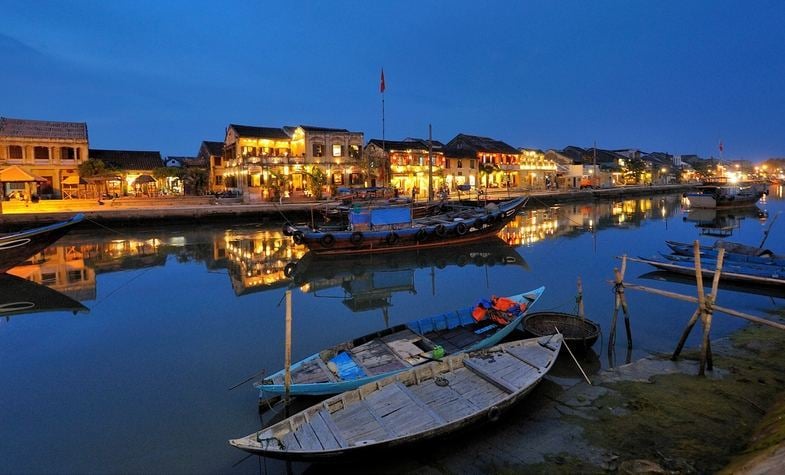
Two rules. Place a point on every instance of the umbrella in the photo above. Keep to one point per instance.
(142, 179)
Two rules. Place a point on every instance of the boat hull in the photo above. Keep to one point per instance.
(18, 247)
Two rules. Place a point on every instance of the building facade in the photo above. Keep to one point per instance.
(51, 151)
(404, 165)
(212, 154)
(264, 163)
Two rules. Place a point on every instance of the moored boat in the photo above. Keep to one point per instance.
(374, 356)
(20, 296)
(393, 228)
(421, 403)
(733, 252)
(724, 196)
(16, 248)
(731, 274)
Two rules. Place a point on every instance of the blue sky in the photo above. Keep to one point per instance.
(671, 76)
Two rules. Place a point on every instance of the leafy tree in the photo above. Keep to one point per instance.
(316, 181)
(196, 180)
(635, 168)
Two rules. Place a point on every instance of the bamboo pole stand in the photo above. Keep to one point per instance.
(620, 301)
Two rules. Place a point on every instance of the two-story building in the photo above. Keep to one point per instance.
(405, 166)
(50, 151)
(212, 153)
(267, 162)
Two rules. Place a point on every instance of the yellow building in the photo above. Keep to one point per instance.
(50, 151)
(265, 163)
(403, 165)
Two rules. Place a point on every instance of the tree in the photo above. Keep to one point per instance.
(635, 168)
(94, 168)
(196, 181)
(316, 181)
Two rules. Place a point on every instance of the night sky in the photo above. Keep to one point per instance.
(674, 76)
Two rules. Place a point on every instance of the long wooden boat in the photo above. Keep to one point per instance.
(724, 196)
(20, 296)
(732, 266)
(16, 248)
(687, 267)
(392, 228)
(733, 252)
(422, 403)
(374, 356)
(776, 291)
(578, 332)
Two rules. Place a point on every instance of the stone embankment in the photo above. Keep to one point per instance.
(128, 210)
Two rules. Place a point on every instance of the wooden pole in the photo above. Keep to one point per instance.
(708, 312)
(685, 334)
(579, 298)
(564, 344)
(287, 380)
(717, 308)
(620, 301)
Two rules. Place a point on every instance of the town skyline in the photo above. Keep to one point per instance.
(157, 77)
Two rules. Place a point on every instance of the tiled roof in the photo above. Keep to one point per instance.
(259, 132)
(481, 144)
(195, 162)
(42, 129)
(311, 128)
(128, 159)
(390, 145)
(215, 149)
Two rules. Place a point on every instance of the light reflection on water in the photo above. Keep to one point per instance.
(179, 315)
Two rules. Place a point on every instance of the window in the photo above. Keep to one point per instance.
(41, 153)
(216, 161)
(219, 179)
(471, 164)
(460, 163)
(354, 151)
(75, 275)
(15, 152)
(318, 150)
(337, 150)
(337, 179)
(446, 163)
(67, 153)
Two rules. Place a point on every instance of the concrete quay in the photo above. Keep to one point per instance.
(191, 209)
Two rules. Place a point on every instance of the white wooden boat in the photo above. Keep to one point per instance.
(724, 196)
(422, 403)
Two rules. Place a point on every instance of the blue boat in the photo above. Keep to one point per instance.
(769, 275)
(733, 252)
(374, 356)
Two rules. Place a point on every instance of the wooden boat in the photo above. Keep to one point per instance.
(374, 356)
(776, 291)
(724, 196)
(20, 296)
(16, 248)
(392, 228)
(422, 403)
(341, 212)
(578, 332)
(731, 266)
(687, 267)
(733, 252)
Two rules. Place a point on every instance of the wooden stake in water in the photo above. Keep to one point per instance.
(287, 379)
(620, 301)
(579, 298)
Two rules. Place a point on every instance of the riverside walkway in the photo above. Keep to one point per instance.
(129, 210)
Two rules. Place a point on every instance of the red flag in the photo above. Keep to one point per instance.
(382, 87)
(721, 147)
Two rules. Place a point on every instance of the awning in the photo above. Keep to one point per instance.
(74, 180)
(14, 174)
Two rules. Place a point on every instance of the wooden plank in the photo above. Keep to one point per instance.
(487, 375)
(330, 424)
(307, 438)
(322, 432)
(326, 370)
(388, 428)
(536, 356)
(376, 357)
(312, 372)
(426, 408)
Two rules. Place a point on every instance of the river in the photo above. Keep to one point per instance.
(176, 316)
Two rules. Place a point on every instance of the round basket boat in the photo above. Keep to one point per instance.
(579, 333)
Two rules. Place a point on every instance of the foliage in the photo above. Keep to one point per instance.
(635, 168)
(94, 167)
(316, 181)
(167, 172)
(195, 180)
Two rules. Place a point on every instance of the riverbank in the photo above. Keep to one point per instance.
(649, 416)
(131, 211)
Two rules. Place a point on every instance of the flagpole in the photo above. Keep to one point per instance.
(382, 87)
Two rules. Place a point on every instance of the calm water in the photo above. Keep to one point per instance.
(177, 316)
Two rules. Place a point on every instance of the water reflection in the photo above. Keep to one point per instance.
(722, 223)
(260, 258)
(20, 296)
